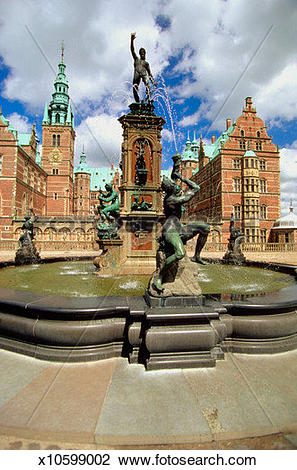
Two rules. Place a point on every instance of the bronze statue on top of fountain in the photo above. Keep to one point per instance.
(142, 73)
(234, 254)
(27, 253)
(175, 274)
(109, 212)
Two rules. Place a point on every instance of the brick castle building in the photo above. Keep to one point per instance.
(64, 197)
(238, 173)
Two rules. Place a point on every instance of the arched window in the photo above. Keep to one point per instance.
(57, 119)
(58, 140)
(54, 140)
(242, 133)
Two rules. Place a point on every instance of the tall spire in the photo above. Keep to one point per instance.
(62, 52)
(59, 111)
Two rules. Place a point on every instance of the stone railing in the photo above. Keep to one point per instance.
(81, 245)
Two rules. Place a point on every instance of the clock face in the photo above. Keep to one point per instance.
(56, 156)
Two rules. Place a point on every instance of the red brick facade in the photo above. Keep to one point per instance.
(239, 174)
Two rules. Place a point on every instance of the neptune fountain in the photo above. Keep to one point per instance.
(174, 319)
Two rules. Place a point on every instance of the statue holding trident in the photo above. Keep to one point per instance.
(142, 72)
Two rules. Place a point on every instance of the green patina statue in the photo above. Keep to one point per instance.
(174, 234)
(109, 211)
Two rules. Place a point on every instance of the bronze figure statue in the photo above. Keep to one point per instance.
(174, 234)
(142, 72)
(109, 211)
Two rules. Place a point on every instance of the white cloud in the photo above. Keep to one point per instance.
(20, 123)
(288, 167)
(101, 137)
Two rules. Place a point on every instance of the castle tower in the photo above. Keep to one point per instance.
(141, 199)
(82, 188)
(58, 147)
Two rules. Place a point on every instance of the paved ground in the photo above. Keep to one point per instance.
(245, 402)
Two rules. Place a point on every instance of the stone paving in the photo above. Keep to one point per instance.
(245, 402)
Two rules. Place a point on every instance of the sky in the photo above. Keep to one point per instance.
(206, 56)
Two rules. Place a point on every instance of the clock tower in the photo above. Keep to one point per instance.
(58, 147)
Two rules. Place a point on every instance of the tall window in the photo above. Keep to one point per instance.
(242, 144)
(237, 211)
(263, 212)
(237, 185)
(55, 196)
(263, 186)
(57, 118)
(58, 140)
(287, 237)
(262, 165)
(236, 164)
(247, 235)
(258, 134)
(54, 140)
(263, 236)
(258, 146)
(247, 209)
(242, 133)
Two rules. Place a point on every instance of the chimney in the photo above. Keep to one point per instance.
(213, 139)
(228, 123)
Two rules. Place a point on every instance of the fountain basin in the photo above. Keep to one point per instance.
(75, 328)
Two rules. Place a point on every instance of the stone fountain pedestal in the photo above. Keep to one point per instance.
(110, 259)
(27, 254)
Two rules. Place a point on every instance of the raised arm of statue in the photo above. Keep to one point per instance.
(133, 36)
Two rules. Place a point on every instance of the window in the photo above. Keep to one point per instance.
(253, 209)
(247, 209)
(54, 140)
(236, 164)
(252, 185)
(242, 133)
(237, 211)
(263, 212)
(263, 236)
(237, 185)
(262, 164)
(1, 161)
(55, 171)
(246, 163)
(258, 146)
(263, 186)
(287, 237)
(258, 134)
(247, 235)
(57, 118)
(242, 144)
(58, 140)
(55, 196)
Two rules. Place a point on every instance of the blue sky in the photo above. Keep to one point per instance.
(207, 57)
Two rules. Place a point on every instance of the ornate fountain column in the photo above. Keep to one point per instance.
(141, 198)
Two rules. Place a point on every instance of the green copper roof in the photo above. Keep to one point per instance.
(59, 111)
(24, 139)
(250, 153)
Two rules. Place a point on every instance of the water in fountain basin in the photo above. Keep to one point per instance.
(77, 279)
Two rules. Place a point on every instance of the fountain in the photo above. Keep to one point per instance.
(177, 321)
